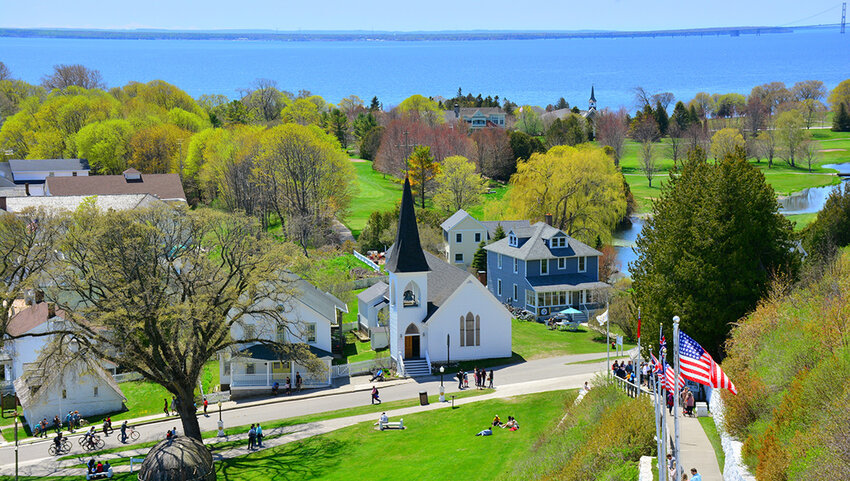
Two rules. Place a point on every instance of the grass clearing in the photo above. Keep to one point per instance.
(710, 429)
(376, 192)
(435, 444)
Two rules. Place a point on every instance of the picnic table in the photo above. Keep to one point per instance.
(567, 325)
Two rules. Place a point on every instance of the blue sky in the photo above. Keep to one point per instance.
(418, 15)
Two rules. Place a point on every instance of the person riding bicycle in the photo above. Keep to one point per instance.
(88, 438)
(58, 440)
(124, 431)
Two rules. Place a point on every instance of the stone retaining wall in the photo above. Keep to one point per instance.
(734, 469)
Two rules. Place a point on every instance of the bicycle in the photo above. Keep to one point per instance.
(131, 434)
(93, 444)
(65, 447)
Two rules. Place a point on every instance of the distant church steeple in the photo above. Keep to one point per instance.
(406, 254)
(592, 105)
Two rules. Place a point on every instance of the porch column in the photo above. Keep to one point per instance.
(268, 373)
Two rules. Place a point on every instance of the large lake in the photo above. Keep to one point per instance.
(524, 71)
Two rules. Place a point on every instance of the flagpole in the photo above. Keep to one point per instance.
(659, 411)
(639, 356)
(676, 394)
(607, 342)
(662, 356)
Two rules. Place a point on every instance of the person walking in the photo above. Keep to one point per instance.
(252, 437)
(259, 436)
(298, 381)
(57, 424)
(460, 379)
(174, 404)
(165, 408)
(375, 395)
(695, 476)
(206, 403)
(124, 432)
(491, 379)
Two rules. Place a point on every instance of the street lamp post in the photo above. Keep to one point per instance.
(442, 389)
(220, 422)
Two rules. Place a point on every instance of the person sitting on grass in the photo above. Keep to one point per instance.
(497, 421)
(485, 432)
(511, 425)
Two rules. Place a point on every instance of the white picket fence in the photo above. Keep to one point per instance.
(362, 367)
(126, 376)
(367, 261)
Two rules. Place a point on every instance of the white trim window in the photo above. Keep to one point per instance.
(499, 260)
(458, 238)
(477, 237)
(310, 332)
(512, 240)
(499, 288)
(559, 242)
(562, 263)
(516, 265)
(459, 258)
(516, 293)
(582, 264)
(544, 267)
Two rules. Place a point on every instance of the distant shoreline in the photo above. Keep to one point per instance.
(294, 36)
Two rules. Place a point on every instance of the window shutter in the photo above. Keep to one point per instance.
(462, 333)
(477, 330)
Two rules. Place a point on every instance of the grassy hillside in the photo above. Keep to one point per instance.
(790, 360)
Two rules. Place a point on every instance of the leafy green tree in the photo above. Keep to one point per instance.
(569, 131)
(528, 120)
(840, 95)
(180, 291)
(841, 119)
(725, 141)
(791, 134)
(579, 186)
(157, 149)
(106, 145)
(523, 145)
(422, 169)
(302, 112)
(458, 185)
(479, 261)
(5, 73)
(187, 120)
(709, 250)
(422, 108)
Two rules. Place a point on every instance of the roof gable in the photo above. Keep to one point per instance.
(535, 247)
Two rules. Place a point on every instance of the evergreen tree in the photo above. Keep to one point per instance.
(499, 234)
(708, 252)
(681, 116)
(661, 119)
(374, 106)
(479, 262)
(841, 120)
(693, 116)
(831, 228)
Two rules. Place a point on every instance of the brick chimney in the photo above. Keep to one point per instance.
(548, 218)
(482, 277)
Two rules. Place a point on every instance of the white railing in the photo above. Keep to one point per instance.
(259, 379)
(400, 363)
(428, 360)
(361, 367)
(367, 261)
(127, 376)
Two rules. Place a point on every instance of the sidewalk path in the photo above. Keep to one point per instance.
(697, 451)
(288, 434)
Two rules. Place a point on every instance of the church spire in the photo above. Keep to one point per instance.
(406, 254)
(592, 95)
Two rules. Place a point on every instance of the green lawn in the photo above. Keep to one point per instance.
(437, 445)
(802, 220)
(533, 340)
(710, 429)
(376, 192)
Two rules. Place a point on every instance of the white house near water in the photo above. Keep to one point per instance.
(253, 368)
(438, 312)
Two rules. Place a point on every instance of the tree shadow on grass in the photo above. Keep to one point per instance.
(307, 459)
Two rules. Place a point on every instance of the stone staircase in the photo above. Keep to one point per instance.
(416, 368)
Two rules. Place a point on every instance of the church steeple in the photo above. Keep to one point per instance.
(406, 254)
(592, 105)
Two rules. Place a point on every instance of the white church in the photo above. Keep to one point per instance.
(438, 312)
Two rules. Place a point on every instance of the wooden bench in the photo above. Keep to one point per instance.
(391, 425)
(102, 475)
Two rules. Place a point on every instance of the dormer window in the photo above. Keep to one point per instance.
(512, 240)
(559, 242)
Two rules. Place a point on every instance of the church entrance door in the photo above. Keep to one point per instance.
(411, 347)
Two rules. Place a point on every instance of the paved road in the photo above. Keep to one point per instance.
(537, 370)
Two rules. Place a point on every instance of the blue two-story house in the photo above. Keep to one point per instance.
(543, 270)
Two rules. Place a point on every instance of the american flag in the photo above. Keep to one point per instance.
(669, 375)
(698, 366)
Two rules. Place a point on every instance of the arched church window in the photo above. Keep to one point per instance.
(411, 330)
(470, 330)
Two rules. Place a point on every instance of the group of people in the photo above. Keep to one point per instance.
(174, 405)
(255, 436)
(671, 471)
(686, 400)
(510, 425)
(481, 376)
(624, 370)
(287, 387)
(171, 433)
(95, 468)
(72, 419)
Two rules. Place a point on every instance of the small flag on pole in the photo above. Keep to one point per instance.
(602, 318)
(698, 366)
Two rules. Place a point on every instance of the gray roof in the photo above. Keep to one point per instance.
(455, 219)
(47, 165)
(535, 248)
(69, 203)
(34, 384)
(322, 302)
(376, 290)
(6, 178)
(567, 282)
(507, 225)
(443, 280)
(265, 352)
